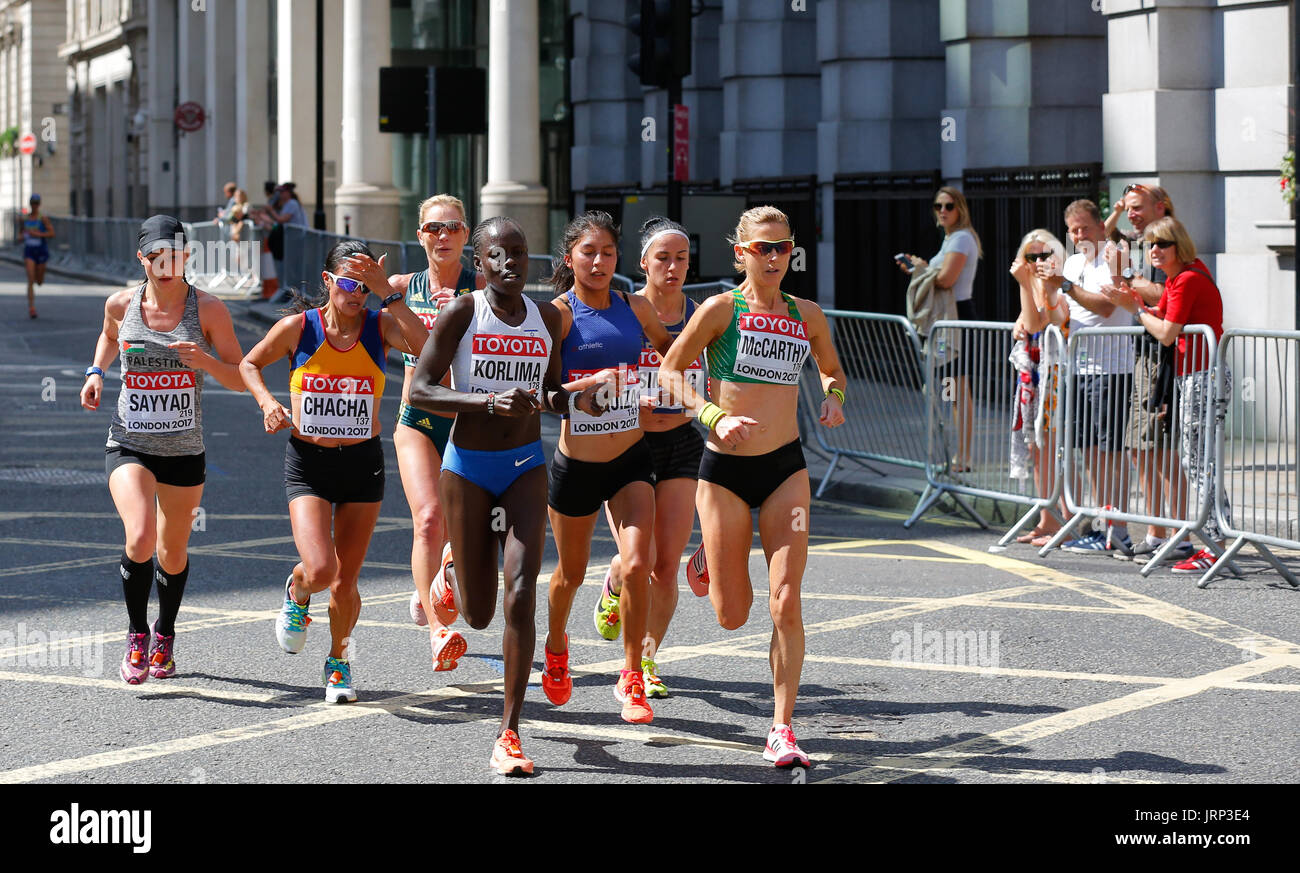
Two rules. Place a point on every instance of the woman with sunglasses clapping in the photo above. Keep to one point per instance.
(334, 463)
(420, 437)
(960, 252)
(757, 339)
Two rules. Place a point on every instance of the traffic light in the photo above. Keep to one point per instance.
(664, 50)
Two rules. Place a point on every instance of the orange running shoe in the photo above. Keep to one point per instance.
(442, 594)
(556, 681)
(630, 690)
(697, 573)
(448, 646)
(508, 757)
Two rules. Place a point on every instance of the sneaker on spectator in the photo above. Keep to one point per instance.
(1197, 563)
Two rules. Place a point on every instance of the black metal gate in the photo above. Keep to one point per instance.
(878, 215)
(1007, 203)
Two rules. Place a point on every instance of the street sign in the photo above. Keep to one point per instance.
(189, 116)
(27, 144)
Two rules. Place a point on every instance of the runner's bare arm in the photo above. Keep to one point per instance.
(709, 322)
(653, 328)
(214, 319)
(828, 361)
(105, 348)
(555, 396)
(278, 343)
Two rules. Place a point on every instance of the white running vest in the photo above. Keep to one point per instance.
(494, 357)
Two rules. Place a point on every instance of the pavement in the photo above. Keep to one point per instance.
(930, 658)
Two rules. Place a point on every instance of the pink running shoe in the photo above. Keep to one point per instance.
(162, 663)
(135, 663)
(697, 573)
(448, 646)
(783, 749)
(417, 610)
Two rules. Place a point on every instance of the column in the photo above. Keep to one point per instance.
(252, 59)
(1008, 63)
(607, 110)
(192, 160)
(514, 138)
(366, 190)
(221, 73)
(161, 92)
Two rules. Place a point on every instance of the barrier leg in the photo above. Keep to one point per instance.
(970, 510)
(1024, 520)
(1213, 547)
(1224, 558)
(1061, 535)
(1278, 565)
(835, 460)
(929, 497)
(1163, 552)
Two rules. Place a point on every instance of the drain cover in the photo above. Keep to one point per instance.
(52, 476)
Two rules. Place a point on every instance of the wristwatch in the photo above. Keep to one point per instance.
(394, 297)
(1066, 286)
(1128, 275)
(94, 371)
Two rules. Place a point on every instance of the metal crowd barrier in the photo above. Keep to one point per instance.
(1105, 440)
(1255, 445)
(881, 357)
(968, 369)
(221, 265)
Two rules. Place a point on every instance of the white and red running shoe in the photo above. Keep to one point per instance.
(783, 749)
(697, 573)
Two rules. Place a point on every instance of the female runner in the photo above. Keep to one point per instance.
(601, 460)
(501, 350)
(675, 446)
(420, 436)
(37, 230)
(758, 338)
(170, 334)
(333, 463)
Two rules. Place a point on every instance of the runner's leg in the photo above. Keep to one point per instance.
(728, 530)
(633, 511)
(418, 464)
(176, 507)
(354, 523)
(473, 526)
(524, 543)
(783, 529)
(674, 518)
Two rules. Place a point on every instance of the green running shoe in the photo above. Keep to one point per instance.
(606, 614)
(654, 686)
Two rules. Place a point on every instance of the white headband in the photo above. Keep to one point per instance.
(667, 231)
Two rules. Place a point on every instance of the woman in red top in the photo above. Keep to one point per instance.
(1190, 297)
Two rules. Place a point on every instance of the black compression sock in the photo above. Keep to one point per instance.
(171, 588)
(137, 578)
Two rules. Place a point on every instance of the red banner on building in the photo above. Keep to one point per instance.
(681, 143)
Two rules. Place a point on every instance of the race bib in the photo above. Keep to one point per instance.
(695, 377)
(427, 319)
(623, 414)
(500, 362)
(771, 348)
(159, 402)
(337, 406)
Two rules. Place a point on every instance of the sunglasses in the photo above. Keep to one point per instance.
(763, 248)
(1141, 189)
(437, 227)
(945, 207)
(1039, 256)
(1163, 243)
(346, 285)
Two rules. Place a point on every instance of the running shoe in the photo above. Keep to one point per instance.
(556, 681)
(1095, 543)
(654, 686)
(337, 677)
(782, 748)
(1145, 551)
(1197, 563)
(508, 757)
(417, 610)
(442, 596)
(697, 573)
(291, 626)
(135, 663)
(606, 613)
(630, 691)
(162, 664)
(448, 646)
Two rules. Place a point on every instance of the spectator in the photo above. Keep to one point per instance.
(1190, 297)
(1104, 367)
(228, 191)
(287, 209)
(238, 212)
(1149, 419)
(1032, 434)
(961, 252)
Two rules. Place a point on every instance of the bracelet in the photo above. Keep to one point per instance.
(573, 401)
(492, 401)
(838, 393)
(394, 297)
(94, 371)
(711, 414)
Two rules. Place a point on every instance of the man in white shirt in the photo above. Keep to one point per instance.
(1104, 368)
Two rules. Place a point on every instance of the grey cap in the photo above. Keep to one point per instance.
(161, 232)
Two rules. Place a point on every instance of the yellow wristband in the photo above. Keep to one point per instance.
(711, 414)
(839, 395)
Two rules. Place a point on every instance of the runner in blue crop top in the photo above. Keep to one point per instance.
(603, 459)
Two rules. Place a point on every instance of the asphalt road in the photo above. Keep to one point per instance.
(929, 658)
